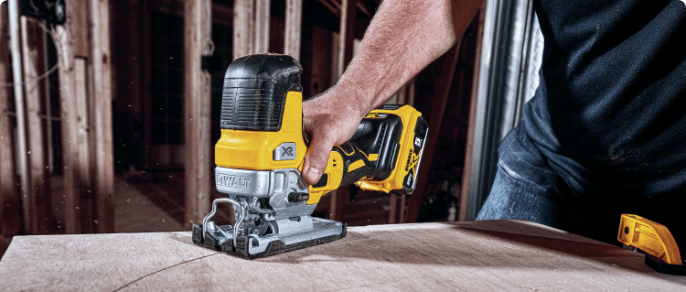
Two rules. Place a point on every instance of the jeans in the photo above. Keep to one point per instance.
(515, 197)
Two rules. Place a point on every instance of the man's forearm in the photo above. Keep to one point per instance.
(403, 38)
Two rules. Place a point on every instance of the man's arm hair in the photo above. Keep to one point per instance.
(404, 37)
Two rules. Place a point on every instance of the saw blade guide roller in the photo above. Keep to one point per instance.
(259, 158)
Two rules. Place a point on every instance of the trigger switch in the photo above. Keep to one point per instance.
(322, 181)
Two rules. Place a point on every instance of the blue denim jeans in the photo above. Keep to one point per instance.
(516, 197)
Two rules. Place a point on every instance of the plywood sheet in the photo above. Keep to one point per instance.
(470, 256)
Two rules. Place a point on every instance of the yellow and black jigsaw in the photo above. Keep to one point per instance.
(260, 157)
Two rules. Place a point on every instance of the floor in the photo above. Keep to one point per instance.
(136, 212)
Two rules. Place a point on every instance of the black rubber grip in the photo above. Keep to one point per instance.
(352, 154)
(379, 136)
(255, 89)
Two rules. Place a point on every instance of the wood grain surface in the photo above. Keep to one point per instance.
(467, 256)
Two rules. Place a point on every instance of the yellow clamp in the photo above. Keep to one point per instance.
(649, 236)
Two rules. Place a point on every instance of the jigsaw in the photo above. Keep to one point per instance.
(260, 156)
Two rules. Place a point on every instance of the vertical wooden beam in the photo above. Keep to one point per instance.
(64, 43)
(321, 61)
(435, 120)
(10, 199)
(15, 43)
(197, 105)
(344, 54)
(39, 198)
(80, 19)
(293, 31)
(346, 34)
(243, 28)
(262, 19)
(101, 117)
(83, 162)
(393, 209)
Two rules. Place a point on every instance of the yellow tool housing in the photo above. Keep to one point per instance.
(649, 236)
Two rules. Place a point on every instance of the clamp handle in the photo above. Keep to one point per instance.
(649, 236)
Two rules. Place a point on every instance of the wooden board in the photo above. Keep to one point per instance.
(10, 197)
(197, 110)
(37, 214)
(469, 256)
(293, 31)
(100, 101)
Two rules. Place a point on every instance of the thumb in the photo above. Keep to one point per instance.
(317, 157)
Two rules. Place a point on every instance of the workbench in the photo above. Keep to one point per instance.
(507, 255)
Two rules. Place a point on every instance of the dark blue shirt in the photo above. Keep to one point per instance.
(608, 122)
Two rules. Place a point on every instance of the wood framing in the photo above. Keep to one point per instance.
(38, 219)
(82, 164)
(10, 198)
(262, 14)
(343, 54)
(197, 106)
(293, 31)
(443, 85)
(86, 116)
(243, 28)
(64, 37)
(101, 116)
(79, 18)
(251, 19)
(20, 121)
(346, 35)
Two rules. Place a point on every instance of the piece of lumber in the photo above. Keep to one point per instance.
(10, 197)
(435, 120)
(102, 152)
(243, 28)
(293, 31)
(197, 107)
(64, 39)
(80, 18)
(82, 165)
(346, 35)
(38, 219)
(19, 106)
(343, 54)
(262, 19)
(505, 255)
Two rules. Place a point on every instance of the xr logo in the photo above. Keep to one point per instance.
(287, 151)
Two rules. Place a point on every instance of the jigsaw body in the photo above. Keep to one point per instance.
(260, 157)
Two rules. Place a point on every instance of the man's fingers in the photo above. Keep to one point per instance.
(316, 158)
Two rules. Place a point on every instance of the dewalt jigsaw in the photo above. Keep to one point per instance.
(260, 157)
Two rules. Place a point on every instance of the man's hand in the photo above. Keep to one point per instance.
(330, 119)
(403, 37)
